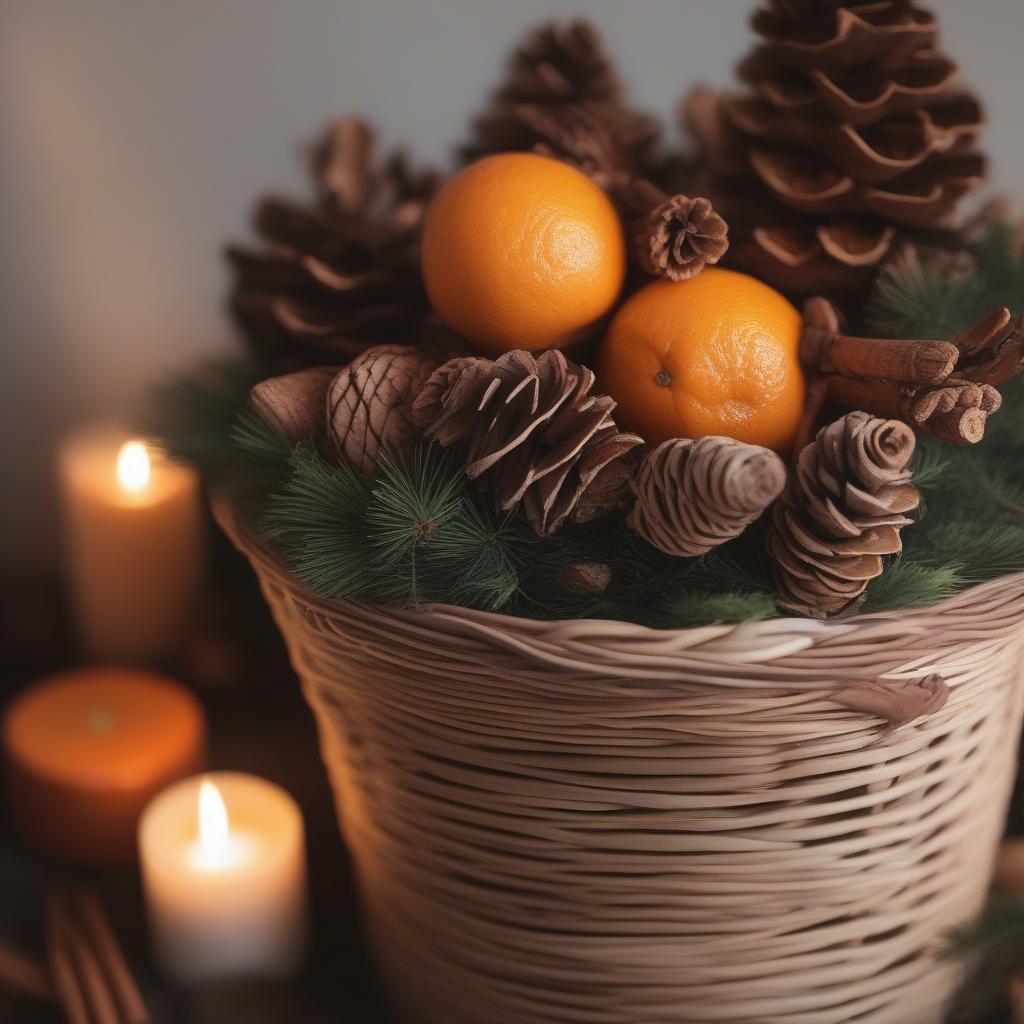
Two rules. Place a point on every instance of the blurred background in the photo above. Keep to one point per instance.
(136, 135)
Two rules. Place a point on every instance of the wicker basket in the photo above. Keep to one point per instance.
(595, 823)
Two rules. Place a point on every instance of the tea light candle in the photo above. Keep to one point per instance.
(224, 871)
(87, 750)
(133, 531)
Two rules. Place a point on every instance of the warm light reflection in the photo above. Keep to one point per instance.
(133, 467)
(213, 821)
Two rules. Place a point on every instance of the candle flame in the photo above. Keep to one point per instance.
(213, 819)
(133, 466)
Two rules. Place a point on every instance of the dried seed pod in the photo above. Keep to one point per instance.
(295, 403)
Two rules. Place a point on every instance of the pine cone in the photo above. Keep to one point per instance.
(679, 237)
(369, 406)
(534, 434)
(841, 513)
(563, 98)
(851, 136)
(343, 272)
(692, 496)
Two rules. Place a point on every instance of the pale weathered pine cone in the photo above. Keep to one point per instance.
(841, 513)
(692, 496)
(369, 406)
(534, 434)
(295, 404)
(679, 237)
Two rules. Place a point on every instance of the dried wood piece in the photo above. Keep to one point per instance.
(98, 932)
(898, 702)
(21, 975)
(586, 577)
(68, 985)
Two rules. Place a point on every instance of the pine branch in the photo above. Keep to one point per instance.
(909, 584)
(194, 414)
(318, 522)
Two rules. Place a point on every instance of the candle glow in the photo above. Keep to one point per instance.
(224, 873)
(217, 848)
(133, 467)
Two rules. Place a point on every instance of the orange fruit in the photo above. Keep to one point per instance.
(714, 355)
(522, 251)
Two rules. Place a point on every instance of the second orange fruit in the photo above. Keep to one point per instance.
(522, 251)
(714, 355)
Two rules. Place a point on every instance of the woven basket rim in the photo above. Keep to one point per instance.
(781, 631)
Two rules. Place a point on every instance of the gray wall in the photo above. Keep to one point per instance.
(134, 135)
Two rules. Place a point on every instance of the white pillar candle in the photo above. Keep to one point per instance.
(224, 872)
(134, 540)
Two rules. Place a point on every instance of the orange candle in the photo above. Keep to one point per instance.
(86, 750)
(133, 529)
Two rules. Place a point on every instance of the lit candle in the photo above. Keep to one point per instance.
(224, 871)
(133, 530)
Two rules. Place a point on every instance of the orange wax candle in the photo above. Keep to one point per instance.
(134, 544)
(86, 750)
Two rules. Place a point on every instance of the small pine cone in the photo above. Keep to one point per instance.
(369, 406)
(295, 404)
(534, 434)
(692, 496)
(842, 513)
(679, 237)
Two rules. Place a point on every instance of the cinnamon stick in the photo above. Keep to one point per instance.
(100, 934)
(21, 975)
(955, 411)
(64, 976)
(824, 349)
(992, 351)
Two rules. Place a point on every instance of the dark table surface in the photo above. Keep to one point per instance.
(258, 723)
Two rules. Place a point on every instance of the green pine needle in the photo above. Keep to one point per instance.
(912, 585)
(699, 608)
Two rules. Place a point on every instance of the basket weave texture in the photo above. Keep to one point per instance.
(591, 822)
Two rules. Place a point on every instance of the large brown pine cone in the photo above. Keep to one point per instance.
(562, 97)
(853, 133)
(342, 272)
(841, 513)
(534, 434)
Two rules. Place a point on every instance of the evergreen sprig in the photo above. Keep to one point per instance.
(411, 535)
